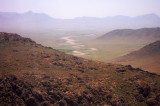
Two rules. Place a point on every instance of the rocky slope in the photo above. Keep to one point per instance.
(31, 74)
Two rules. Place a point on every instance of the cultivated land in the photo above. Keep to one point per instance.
(32, 74)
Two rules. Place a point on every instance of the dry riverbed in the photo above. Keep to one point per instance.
(70, 41)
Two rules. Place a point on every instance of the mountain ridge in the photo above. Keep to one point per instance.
(31, 12)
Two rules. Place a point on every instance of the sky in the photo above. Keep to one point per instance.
(67, 9)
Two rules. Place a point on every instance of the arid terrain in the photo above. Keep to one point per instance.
(79, 53)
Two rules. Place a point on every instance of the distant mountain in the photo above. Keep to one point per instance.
(34, 75)
(147, 58)
(144, 34)
(26, 21)
(40, 21)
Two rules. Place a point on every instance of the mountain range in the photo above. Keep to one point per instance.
(33, 75)
(11, 21)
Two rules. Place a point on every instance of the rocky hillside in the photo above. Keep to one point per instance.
(147, 57)
(31, 74)
(144, 34)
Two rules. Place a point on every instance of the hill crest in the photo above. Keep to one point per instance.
(13, 37)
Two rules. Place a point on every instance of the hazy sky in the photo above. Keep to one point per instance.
(79, 8)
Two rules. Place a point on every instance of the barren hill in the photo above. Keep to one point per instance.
(125, 35)
(147, 57)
